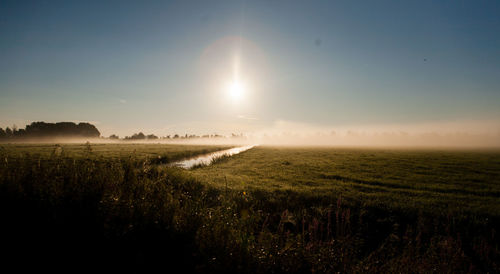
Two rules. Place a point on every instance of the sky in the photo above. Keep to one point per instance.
(167, 67)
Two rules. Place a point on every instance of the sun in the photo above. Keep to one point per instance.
(236, 91)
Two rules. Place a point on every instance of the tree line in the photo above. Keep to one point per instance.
(142, 136)
(85, 130)
(48, 130)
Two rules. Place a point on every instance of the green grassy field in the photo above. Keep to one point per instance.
(163, 152)
(427, 180)
(269, 209)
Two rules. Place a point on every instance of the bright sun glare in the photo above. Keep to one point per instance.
(236, 91)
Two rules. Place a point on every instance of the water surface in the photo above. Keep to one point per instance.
(207, 159)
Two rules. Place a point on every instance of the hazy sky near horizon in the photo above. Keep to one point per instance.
(163, 66)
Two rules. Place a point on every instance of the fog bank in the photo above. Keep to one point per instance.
(466, 134)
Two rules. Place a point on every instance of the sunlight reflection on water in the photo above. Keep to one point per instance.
(207, 158)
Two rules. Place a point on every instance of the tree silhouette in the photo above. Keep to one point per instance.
(136, 136)
(42, 129)
(62, 129)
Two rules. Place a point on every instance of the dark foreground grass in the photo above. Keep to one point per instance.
(131, 215)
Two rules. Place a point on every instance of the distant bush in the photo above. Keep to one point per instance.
(152, 137)
(136, 136)
(142, 136)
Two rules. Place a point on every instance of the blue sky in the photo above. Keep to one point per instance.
(161, 66)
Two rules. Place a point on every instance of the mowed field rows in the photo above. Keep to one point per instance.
(466, 180)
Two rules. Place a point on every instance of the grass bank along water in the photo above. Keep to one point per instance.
(157, 153)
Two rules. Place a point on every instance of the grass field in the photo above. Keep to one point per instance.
(164, 152)
(427, 180)
(269, 209)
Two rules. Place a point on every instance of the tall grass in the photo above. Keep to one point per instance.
(129, 214)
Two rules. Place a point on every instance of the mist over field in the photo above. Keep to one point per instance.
(250, 136)
(436, 134)
(470, 134)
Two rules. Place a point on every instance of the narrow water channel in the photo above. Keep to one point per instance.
(207, 159)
